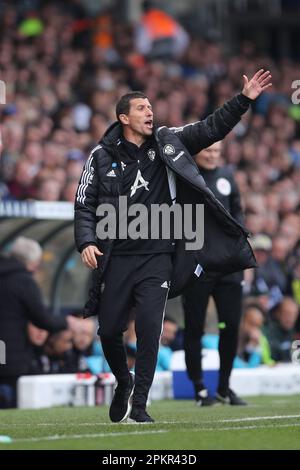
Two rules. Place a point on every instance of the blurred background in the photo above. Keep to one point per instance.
(65, 64)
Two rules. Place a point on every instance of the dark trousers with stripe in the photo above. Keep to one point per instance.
(228, 300)
(139, 281)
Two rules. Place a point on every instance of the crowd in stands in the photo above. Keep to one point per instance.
(64, 73)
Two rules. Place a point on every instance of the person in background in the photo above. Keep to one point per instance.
(226, 292)
(158, 35)
(38, 337)
(280, 329)
(21, 302)
(165, 352)
(168, 336)
(83, 345)
(268, 279)
(58, 350)
(253, 347)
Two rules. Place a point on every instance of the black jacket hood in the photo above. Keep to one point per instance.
(112, 134)
(10, 266)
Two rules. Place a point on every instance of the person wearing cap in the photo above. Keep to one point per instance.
(226, 291)
(150, 166)
(269, 279)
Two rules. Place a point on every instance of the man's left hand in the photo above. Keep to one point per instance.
(258, 83)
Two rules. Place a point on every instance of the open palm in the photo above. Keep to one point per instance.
(258, 83)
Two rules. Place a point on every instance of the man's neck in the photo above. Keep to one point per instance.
(133, 137)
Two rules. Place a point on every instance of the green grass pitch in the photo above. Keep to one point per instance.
(267, 423)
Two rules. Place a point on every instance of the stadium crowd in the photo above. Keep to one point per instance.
(64, 72)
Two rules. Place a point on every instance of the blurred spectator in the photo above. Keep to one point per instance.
(293, 265)
(169, 331)
(49, 190)
(37, 337)
(253, 348)
(96, 361)
(58, 350)
(165, 352)
(22, 185)
(280, 330)
(130, 342)
(168, 336)
(69, 191)
(158, 35)
(131, 356)
(269, 278)
(83, 338)
(21, 302)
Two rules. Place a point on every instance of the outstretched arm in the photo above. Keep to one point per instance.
(216, 126)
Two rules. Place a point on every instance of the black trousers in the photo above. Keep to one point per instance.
(140, 281)
(228, 298)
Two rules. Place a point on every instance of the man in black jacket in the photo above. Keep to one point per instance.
(226, 292)
(134, 161)
(21, 303)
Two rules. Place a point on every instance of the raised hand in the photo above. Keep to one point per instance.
(88, 256)
(258, 83)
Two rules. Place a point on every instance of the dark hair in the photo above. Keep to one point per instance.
(123, 104)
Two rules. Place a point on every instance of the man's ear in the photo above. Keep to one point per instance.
(123, 118)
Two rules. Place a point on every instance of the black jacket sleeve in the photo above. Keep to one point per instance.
(215, 127)
(86, 202)
(31, 298)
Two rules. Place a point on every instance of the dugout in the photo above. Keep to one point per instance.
(63, 278)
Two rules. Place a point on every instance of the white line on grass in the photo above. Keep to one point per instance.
(233, 420)
(61, 424)
(257, 418)
(238, 428)
(57, 437)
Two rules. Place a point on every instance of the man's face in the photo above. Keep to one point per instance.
(287, 315)
(140, 117)
(209, 158)
(36, 335)
(169, 333)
